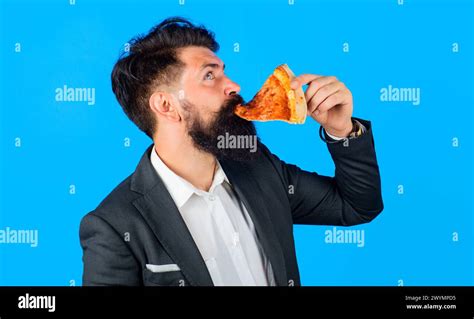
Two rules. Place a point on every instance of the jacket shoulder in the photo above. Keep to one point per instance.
(118, 204)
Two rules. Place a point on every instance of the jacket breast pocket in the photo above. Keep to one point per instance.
(168, 278)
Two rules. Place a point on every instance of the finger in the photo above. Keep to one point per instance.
(330, 102)
(322, 94)
(321, 118)
(315, 85)
(302, 80)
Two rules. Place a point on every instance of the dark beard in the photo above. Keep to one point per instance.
(227, 136)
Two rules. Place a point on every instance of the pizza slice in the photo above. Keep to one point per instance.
(276, 101)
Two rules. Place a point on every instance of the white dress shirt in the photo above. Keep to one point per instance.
(221, 228)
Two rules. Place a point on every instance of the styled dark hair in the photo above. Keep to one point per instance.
(152, 61)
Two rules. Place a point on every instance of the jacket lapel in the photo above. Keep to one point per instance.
(249, 192)
(160, 212)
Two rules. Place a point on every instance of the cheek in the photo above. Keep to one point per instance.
(208, 112)
(202, 113)
(208, 101)
(211, 98)
(200, 93)
(209, 106)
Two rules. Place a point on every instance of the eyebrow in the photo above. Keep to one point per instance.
(212, 65)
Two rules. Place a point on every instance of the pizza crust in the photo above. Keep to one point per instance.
(300, 109)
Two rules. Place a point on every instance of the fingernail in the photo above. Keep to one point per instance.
(316, 113)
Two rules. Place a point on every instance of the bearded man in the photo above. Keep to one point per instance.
(195, 213)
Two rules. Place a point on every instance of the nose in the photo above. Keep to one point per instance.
(231, 88)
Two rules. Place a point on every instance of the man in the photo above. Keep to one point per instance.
(195, 213)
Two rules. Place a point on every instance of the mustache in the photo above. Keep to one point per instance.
(231, 104)
(207, 136)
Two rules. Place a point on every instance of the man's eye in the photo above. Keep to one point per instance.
(209, 76)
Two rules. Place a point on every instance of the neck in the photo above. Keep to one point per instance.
(186, 161)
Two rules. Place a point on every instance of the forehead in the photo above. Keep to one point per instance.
(196, 57)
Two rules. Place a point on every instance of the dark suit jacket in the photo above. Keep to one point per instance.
(138, 223)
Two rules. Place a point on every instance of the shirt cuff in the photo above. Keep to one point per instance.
(359, 125)
(333, 137)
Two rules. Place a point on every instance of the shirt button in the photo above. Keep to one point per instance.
(212, 197)
(235, 239)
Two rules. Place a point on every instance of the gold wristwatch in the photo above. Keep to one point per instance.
(357, 129)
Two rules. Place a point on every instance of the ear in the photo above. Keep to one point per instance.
(164, 105)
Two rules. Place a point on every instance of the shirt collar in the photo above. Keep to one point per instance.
(179, 188)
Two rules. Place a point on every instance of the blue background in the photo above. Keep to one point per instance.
(408, 45)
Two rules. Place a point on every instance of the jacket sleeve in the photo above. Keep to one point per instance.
(107, 259)
(353, 196)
